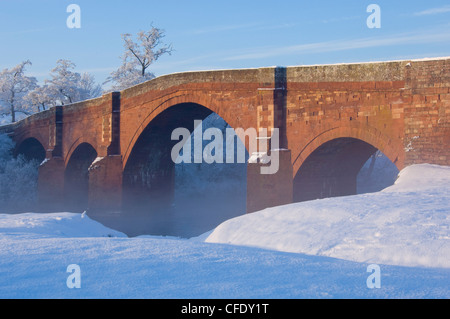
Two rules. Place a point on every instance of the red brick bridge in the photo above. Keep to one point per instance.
(331, 119)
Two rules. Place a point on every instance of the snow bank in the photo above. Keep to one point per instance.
(406, 224)
(53, 225)
(425, 178)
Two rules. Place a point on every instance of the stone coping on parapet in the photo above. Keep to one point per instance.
(265, 76)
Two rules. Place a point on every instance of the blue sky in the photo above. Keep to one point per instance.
(221, 34)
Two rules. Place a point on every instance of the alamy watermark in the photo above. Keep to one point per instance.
(74, 19)
(262, 147)
(374, 20)
(74, 279)
(374, 279)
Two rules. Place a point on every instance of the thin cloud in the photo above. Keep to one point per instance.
(341, 19)
(247, 26)
(334, 46)
(35, 30)
(433, 11)
(275, 27)
(223, 28)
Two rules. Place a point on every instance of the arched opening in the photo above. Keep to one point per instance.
(376, 174)
(333, 169)
(31, 150)
(76, 178)
(183, 199)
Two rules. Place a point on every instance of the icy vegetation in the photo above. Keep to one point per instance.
(198, 178)
(18, 179)
(376, 174)
(208, 194)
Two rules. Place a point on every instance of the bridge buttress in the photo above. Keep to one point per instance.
(105, 173)
(51, 171)
(269, 190)
(51, 185)
(105, 184)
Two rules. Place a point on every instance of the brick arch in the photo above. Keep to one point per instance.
(392, 148)
(200, 100)
(74, 146)
(34, 151)
(36, 135)
(76, 176)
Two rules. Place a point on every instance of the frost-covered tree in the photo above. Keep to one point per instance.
(6, 147)
(67, 86)
(18, 179)
(376, 174)
(214, 177)
(41, 98)
(63, 82)
(88, 88)
(22, 94)
(14, 86)
(138, 56)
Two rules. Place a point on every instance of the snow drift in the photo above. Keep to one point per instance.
(53, 225)
(406, 224)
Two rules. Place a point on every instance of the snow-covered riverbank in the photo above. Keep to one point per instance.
(317, 249)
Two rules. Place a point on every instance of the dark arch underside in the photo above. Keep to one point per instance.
(148, 176)
(31, 149)
(76, 178)
(162, 198)
(332, 169)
